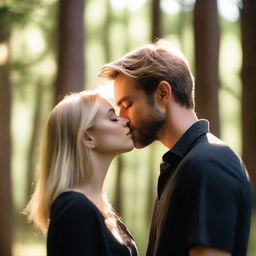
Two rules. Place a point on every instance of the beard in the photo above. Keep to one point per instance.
(149, 130)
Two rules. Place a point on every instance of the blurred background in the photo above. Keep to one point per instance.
(49, 48)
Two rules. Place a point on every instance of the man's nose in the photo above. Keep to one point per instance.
(122, 113)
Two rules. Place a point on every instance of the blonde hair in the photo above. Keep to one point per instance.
(64, 162)
(153, 63)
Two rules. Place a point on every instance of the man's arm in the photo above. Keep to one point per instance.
(207, 251)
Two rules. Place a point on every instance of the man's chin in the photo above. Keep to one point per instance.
(139, 144)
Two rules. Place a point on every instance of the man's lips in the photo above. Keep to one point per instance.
(130, 131)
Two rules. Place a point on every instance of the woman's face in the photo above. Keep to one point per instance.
(111, 133)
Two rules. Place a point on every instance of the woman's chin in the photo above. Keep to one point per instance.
(129, 148)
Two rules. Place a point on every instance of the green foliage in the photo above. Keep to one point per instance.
(16, 13)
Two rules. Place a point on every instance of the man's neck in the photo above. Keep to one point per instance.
(178, 120)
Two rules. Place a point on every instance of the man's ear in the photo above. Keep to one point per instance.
(163, 92)
(88, 140)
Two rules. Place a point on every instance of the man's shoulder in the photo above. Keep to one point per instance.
(209, 147)
(211, 155)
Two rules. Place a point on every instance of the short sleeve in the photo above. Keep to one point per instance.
(213, 198)
(76, 230)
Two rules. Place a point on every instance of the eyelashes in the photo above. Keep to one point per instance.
(115, 119)
(128, 106)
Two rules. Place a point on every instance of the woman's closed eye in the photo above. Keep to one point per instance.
(114, 119)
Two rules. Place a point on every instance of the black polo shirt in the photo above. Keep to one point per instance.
(204, 197)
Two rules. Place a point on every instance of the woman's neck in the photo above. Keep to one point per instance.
(93, 188)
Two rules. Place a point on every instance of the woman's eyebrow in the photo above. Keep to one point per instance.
(111, 110)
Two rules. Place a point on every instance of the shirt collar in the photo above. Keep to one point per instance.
(183, 144)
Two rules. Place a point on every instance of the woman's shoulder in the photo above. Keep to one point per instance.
(72, 204)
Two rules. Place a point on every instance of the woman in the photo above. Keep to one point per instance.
(82, 136)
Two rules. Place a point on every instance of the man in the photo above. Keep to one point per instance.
(204, 201)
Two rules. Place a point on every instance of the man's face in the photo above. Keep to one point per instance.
(146, 121)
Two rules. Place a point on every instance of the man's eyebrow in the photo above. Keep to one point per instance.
(126, 98)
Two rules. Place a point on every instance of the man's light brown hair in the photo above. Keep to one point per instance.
(153, 63)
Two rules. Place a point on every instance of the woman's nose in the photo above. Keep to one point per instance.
(125, 121)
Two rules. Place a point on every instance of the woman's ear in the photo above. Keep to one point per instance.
(164, 92)
(88, 140)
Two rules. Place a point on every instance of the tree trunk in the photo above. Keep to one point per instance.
(207, 37)
(31, 157)
(118, 203)
(126, 29)
(6, 204)
(151, 189)
(71, 64)
(156, 20)
(248, 75)
(106, 33)
(181, 24)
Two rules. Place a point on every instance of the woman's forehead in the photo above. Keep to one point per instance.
(104, 106)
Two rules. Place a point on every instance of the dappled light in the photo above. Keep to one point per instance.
(37, 70)
(29, 250)
(3, 53)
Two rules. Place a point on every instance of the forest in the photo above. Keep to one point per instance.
(50, 48)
